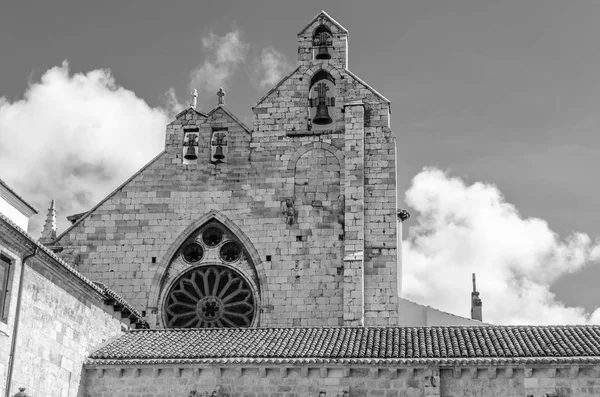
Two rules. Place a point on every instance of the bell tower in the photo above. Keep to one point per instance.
(323, 40)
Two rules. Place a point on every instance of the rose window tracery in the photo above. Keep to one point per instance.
(192, 252)
(211, 295)
(230, 251)
(212, 236)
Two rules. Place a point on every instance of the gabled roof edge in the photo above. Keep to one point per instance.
(336, 23)
(121, 186)
(373, 90)
(230, 114)
(261, 100)
(190, 108)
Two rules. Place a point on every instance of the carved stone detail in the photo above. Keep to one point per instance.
(287, 209)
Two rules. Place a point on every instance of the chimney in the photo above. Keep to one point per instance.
(49, 232)
(476, 313)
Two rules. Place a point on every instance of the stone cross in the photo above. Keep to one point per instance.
(221, 95)
(194, 98)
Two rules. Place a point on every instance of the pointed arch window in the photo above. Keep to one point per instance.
(213, 292)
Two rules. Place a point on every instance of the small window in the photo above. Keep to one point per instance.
(5, 264)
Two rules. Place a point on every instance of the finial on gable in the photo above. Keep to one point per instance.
(49, 231)
(221, 95)
(194, 102)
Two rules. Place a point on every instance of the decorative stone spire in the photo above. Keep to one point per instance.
(49, 232)
(221, 95)
(194, 101)
(476, 313)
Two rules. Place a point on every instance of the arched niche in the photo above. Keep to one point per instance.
(322, 43)
(322, 93)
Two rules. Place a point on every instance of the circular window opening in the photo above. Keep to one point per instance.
(230, 251)
(192, 252)
(212, 236)
(210, 297)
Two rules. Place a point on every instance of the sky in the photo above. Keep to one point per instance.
(495, 106)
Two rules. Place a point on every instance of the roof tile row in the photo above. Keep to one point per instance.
(335, 343)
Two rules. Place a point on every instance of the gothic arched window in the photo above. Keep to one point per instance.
(212, 291)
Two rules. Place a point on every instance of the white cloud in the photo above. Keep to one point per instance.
(171, 104)
(272, 66)
(463, 229)
(75, 138)
(223, 55)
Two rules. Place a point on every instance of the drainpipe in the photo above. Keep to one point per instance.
(13, 344)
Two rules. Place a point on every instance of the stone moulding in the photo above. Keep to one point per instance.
(327, 371)
(313, 132)
(291, 165)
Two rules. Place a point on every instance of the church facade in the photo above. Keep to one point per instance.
(300, 212)
(265, 262)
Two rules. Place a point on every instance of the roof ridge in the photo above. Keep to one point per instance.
(366, 327)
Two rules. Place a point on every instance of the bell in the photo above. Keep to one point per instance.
(219, 153)
(322, 116)
(190, 154)
(323, 53)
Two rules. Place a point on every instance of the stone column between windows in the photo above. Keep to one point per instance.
(354, 216)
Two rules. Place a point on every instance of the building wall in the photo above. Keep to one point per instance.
(61, 322)
(284, 187)
(359, 381)
(413, 313)
(11, 212)
(6, 327)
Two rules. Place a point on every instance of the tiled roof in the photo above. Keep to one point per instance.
(120, 304)
(107, 293)
(389, 345)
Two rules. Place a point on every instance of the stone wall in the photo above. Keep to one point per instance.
(62, 321)
(7, 324)
(282, 188)
(359, 381)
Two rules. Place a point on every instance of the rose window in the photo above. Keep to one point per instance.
(210, 297)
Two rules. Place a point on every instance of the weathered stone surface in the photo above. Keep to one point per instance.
(129, 240)
(240, 381)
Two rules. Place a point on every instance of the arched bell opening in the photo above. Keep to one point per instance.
(190, 145)
(322, 43)
(218, 146)
(322, 94)
(211, 282)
